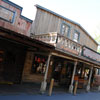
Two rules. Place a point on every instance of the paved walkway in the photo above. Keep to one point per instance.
(29, 92)
(64, 96)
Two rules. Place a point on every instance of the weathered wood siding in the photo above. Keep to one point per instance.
(27, 75)
(46, 22)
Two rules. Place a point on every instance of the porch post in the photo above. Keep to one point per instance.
(44, 83)
(72, 80)
(89, 81)
(99, 85)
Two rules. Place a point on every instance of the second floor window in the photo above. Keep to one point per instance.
(65, 30)
(76, 36)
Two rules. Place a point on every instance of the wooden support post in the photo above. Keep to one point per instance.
(89, 81)
(75, 88)
(51, 87)
(72, 80)
(44, 83)
(96, 71)
(99, 88)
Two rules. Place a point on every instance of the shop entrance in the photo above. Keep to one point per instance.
(12, 57)
(1, 63)
(62, 72)
(82, 75)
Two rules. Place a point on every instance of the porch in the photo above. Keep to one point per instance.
(42, 58)
(83, 64)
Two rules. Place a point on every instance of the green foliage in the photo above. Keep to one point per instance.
(97, 38)
(96, 34)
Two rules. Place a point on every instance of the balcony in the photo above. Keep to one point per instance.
(63, 43)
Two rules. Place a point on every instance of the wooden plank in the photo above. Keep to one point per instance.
(66, 57)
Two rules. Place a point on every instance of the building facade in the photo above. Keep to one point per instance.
(49, 21)
(74, 57)
(11, 18)
(58, 49)
(12, 51)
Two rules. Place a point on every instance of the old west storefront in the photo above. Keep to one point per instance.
(28, 60)
(23, 59)
(76, 69)
(66, 64)
(16, 53)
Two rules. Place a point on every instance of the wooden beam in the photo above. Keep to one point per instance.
(71, 58)
(13, 38)
(41, 53)
(66, 57)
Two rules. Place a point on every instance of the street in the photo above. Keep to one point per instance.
(31, 92)
(61, 96)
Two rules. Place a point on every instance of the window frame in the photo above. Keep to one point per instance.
(37, 70)
(75, 31)
(68, 33)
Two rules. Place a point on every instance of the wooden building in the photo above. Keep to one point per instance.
(47, 21)
(59, 48)
(12, 51)
(16, 54)
(11, 18)
(74, 56)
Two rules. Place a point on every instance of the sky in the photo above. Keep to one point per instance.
(84, 12)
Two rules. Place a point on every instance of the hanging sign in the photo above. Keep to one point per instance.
(89, 53)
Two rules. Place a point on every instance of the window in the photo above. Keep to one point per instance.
(65, 29)
(76, 36)
(39, 64)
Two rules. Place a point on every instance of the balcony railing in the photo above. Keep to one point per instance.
(60, 42)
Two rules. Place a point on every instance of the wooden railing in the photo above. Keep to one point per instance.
(50, 38)
(60, 42)
(69, 45)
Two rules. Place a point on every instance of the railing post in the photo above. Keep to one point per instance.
(72, 80)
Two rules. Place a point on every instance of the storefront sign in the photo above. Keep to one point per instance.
(91, 54)
(6, 14)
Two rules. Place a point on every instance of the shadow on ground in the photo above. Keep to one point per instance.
(16, 89)
(32, 89)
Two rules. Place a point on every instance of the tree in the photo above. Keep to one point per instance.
(97, 36)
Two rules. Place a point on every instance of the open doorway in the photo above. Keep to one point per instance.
(62, 70)
(12, 58)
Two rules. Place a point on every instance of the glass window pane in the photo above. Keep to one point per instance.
(76, 36)
(65, 29)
